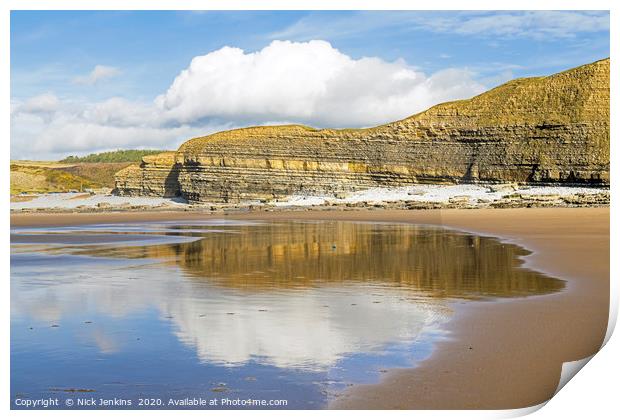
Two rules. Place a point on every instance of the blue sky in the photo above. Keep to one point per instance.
(91, 81)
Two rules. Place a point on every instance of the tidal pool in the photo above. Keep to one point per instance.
(293, 311)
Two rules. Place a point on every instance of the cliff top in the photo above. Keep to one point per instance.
(165, 158)
(580, 94)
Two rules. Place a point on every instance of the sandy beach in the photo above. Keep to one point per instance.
(501, 354)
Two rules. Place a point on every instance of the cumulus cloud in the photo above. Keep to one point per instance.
(77, 127)
(97, 74)
(304, 82)
(307, 81)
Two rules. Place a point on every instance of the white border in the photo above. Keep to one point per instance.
(593, 392)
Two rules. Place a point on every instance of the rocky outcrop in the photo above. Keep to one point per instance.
(157, 175)
(551, 129)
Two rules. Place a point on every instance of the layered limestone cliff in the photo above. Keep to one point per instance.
(551, 129)
(157, 175)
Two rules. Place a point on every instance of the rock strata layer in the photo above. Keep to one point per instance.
(552, 129)
(156, 176)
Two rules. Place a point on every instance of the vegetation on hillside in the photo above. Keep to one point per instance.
(73, 173)
(39, 179)
(133, 155)
(42, 177)
(101, 173)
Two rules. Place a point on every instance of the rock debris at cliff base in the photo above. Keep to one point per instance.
(410, 197)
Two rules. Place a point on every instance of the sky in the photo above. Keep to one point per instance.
(88, 81)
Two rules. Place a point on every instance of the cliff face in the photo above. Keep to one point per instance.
(157, 175)
(537, 130)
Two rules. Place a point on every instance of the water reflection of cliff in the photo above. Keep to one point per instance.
(296, 255)
(292, 295)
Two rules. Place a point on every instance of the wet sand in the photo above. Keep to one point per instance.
(503, 354)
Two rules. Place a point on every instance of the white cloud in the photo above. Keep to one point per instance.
(47, 102)
(539, 25)
(82, 128)
(528, 24)
(308, 82)
(97, 74)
